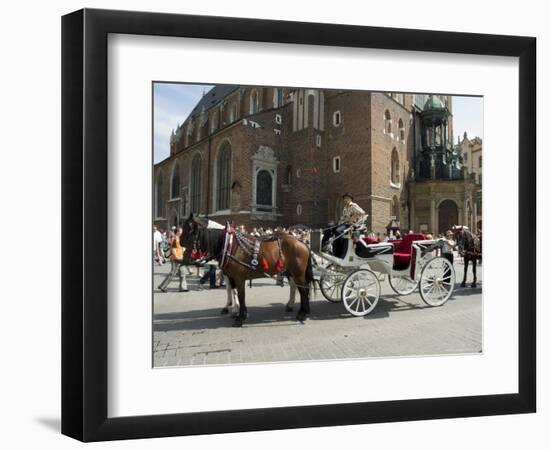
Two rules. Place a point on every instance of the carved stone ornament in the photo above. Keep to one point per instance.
(265, 153)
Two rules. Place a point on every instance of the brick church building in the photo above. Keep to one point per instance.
(268, 156)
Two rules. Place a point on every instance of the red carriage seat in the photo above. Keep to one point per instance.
(402, 250)
(370, 240)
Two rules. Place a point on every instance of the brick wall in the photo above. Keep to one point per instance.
(360, 140)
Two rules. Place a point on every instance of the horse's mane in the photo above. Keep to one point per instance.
(469, 240)
(211, 240)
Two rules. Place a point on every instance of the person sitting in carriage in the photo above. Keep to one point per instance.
(351, 213)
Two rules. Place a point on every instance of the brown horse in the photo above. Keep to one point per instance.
(242, 257)
(469, 246)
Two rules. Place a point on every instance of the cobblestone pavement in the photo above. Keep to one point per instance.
(188, 328)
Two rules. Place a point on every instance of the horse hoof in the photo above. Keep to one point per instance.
(288, 308)
(463, 285)
(224, 311)
(301, 318)
(238, 323)
(474, 285)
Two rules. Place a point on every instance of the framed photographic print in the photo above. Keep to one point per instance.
(274, 224)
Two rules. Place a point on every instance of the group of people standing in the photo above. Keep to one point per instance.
(170, 247)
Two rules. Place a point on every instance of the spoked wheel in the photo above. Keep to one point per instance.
(402, 285)
(361, 292)
(437, 281)
(331, 283)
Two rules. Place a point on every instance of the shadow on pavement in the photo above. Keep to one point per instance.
(273, 313)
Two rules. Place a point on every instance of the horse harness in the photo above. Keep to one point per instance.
(252, 247)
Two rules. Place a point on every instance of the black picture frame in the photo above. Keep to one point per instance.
(84, 224)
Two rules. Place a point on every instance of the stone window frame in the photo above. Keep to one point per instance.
(254, 102)
(336, 164)
(337, 118)
(277, 97)
(401, 130)
(288, 175)
(395, 169)
(175, 165)
(215, 186)
(318, 140)
(195, 175)
(388, 123)
(264, 159)
(214, 122)
(232, 112)
(159, 181)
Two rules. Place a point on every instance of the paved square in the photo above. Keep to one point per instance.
(188, 328)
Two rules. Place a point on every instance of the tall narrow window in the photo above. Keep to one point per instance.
(277, 97)
(479, 162)
(184, 202)
(336, 164)
(264, 189)
(214, 122)
(401, 130)
(387, 122)
(394, 166)
(253, 102)
(223, 178)
(232, 113)
(336, 118)
(196, 184)
(175, 182)
(289, 175)
(158, 196)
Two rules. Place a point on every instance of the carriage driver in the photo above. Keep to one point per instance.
(351, 214)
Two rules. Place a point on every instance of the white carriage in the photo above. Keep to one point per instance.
(410, 263)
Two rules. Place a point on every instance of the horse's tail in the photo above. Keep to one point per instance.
(310, 279)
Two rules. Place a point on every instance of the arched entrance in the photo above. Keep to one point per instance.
(448, 215)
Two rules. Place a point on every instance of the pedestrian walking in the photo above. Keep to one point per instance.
(176, 261)
(157, 246)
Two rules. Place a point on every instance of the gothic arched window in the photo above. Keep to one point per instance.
(253, 102)
(175, 181)
(158, 196)
(195, 197)
(394, 166)
(401, 130)
(264, 188)
(232, 113)
(277, 97)
(223, 177)
(387, 122)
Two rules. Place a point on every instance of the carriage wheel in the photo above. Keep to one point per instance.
(331, 282)
(361, 292)
(402, 285)
(437, 281)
